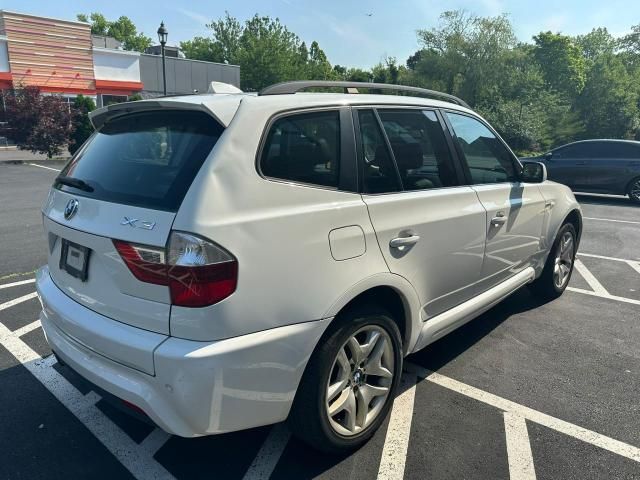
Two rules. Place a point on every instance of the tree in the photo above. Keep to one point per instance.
(266, 50)
(538, 94)
(267, 53)
(386, 71)
(629, 47)
(464, 54)
(202, 48)
(99, 23)
(596, 43)
(317, 65)
(562, 63)
(125, 31)
(352, 74)
(609, 101)
(227, 33)
(631, 42)
(82, 125)
(122, 29)
(39, 123)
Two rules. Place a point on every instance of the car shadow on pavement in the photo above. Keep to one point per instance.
(443, 351)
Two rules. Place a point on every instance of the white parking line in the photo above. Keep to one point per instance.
(597, 289)
(602, 441)
(136, 458)
(267, 457)
(26, 329)
(42, 166)
(396, 443)
(154, 441)
(518, 448)
(613, 259)
(635, 264)
(15, 284)
(593, 282)
(632, 301)
(611, 220)
(18, 300)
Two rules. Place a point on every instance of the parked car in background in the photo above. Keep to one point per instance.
(596, 166)
(222, 262)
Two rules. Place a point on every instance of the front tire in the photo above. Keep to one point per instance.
(634, 190)
(349, 383)
(559, 265)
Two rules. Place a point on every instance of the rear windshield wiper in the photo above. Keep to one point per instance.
(74, 182)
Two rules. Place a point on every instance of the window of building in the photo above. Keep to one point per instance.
(111, 99)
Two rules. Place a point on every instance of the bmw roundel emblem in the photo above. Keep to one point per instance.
(71, 208)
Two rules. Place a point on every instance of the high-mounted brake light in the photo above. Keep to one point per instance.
(197, 271)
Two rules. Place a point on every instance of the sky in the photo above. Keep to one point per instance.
(343, 28)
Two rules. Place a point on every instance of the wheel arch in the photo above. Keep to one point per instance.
(575, 218)
(627, 187)
(392, 292)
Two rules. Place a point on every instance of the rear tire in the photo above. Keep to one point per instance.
(559, 265)
(634, 190)
(360, 386)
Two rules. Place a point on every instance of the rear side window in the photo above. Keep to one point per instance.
(379, 174)
(304, 148)
(420, 149)
(487, 158)
(622, 150)
(577, 150)
(145, 159)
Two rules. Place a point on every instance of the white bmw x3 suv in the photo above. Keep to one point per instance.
(231, 260)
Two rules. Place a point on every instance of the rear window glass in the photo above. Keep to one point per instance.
(145, 159)
(304, 148)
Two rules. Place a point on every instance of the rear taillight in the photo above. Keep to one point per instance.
(197, 271)
(146, 263)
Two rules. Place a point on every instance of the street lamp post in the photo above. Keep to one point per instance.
(163, 33)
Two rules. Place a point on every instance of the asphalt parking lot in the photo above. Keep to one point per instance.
(526, 391)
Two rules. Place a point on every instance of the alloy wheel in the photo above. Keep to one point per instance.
(360, 380)
(634, 191)
(564, 260)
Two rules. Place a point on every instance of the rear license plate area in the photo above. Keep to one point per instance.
(74, 259)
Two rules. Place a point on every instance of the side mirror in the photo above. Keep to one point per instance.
(533, 172)
(548, 156)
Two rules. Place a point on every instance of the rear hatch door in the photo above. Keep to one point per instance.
(125, 184)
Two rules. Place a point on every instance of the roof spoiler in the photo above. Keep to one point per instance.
(352, 87)
(221, 87)
(102, 115)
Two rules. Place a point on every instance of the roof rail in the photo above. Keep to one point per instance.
(352, 87)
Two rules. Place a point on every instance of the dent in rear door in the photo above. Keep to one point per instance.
(511, 246)
(445, 263)
(443, 222)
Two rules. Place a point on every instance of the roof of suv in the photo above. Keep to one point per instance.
(224, 106)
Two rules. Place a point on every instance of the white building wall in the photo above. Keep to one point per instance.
(4, 55)
(116, 65)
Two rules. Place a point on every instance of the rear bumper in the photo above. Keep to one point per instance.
(197, 388)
